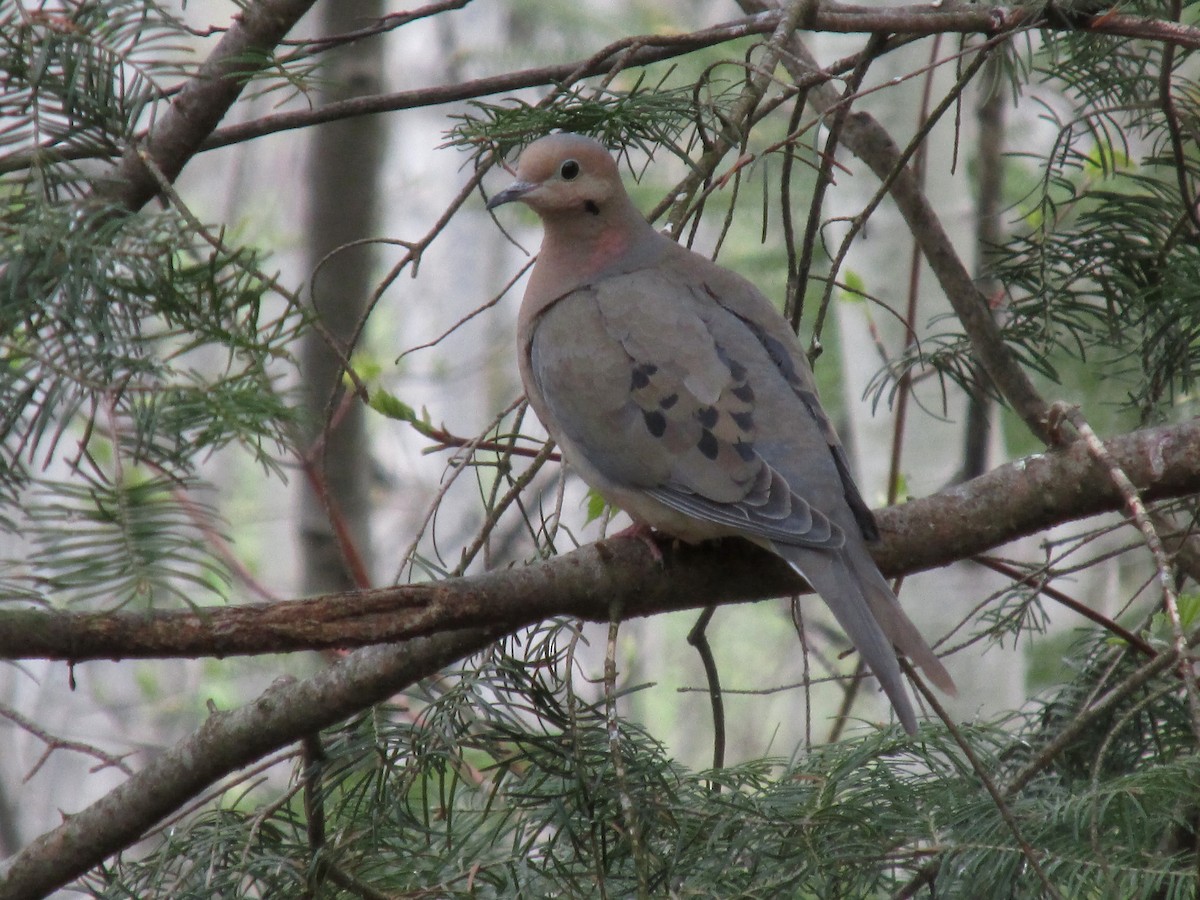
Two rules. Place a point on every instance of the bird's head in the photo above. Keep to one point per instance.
(562, 174)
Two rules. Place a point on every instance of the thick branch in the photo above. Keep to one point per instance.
(203, 101)
(647, 49)
(1023, 497)
(1012, 500)
(225, 743)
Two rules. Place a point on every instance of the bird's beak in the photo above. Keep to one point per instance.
(514, 191)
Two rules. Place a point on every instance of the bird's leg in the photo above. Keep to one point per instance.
(644, 533)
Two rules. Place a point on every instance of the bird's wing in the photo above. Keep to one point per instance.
(669, 392)
(756, 313)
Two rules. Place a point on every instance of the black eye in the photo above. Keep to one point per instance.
(569, 170)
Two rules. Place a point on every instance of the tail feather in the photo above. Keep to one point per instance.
(895, 624)
(830, 576)
(865, 606)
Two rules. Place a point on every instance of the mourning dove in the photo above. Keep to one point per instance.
(676, 390)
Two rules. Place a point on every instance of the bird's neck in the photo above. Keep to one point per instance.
(585, 247)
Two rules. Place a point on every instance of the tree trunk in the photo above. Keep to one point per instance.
(343, 176)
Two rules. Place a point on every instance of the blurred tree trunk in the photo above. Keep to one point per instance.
(989, 232)
(344, 182)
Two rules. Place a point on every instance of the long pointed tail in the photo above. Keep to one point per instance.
(863, 604)
(892, 619)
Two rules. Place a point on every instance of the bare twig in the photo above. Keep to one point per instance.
(629, 809)
(850, 690)
(54, 743)
(905, 387)
(1166, 578)
(1038, 583)
(698, 638)
(864, 137)
(1187, 196)
(837, 118)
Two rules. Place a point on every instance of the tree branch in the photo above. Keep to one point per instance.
(203, 101)
(286, 712)
(926, 19)
(959, 18)
(1011, 501)
(870, 142)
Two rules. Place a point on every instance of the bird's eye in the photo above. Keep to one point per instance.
(569, 170)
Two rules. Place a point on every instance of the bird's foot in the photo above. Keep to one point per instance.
(644, 533)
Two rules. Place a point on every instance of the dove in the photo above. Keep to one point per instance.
(678, 392)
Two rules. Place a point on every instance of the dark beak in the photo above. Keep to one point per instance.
(514, 191)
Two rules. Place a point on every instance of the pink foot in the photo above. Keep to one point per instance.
(645, 534)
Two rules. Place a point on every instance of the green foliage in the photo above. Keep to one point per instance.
(131, 346)
(646, 117)
(134, 346)
(501, 781)
(1103, 267)
(596, 506)
(77, 81)
(129, 541)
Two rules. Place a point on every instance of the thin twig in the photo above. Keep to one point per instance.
(850, 689)
(1041, 586)
(824, 176)
(1187, 197)
(905, 387)
(698, 638)
(456, 469)
(1166, 576)
(312, 759)
(1086, 718)
(1031, 855)
(613, 724)
(898, 168)
(53, 743)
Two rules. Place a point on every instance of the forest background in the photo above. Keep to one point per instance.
(256, 334)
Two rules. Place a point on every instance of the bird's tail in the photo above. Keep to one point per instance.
(863, 604)
(896, 625)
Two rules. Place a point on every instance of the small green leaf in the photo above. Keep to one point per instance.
(367, 367)
(1161, 632)
(393, 407)
(1189, 610)
(596, 506)
(854, 289)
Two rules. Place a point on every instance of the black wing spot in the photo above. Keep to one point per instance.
(745, 449)
(743, 420)
(736, 370)
(641, 375)
(708, 444)
(656, 422)
(668, 401)
(708, 416)
(744, 392)
(776, 350)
